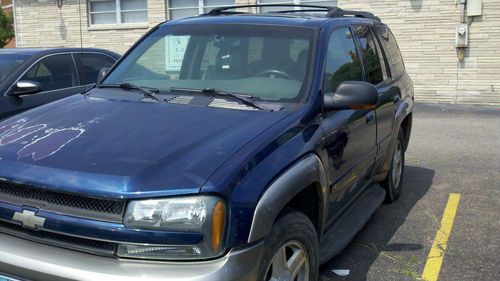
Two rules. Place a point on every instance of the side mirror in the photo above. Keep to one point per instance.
(352, 95)
(102, 74)
(26, 87)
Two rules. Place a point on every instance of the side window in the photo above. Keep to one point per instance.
(343, 63)
(53, 73)
(371, 57)
(91, 64)
(393, 54)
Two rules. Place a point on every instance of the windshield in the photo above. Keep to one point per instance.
(266, 62)
(9, 63)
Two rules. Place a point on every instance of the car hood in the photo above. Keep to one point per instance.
(124, 149)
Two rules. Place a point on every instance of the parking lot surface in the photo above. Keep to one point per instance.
(453, 150)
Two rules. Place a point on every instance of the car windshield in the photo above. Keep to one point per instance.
(269, 63)
(9, 63)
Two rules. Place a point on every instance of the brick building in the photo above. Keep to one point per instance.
(425, 31)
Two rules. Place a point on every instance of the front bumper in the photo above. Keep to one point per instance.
(33, 261)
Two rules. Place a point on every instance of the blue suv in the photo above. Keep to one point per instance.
(228, 146)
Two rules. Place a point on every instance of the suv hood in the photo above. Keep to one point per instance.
(120, 149)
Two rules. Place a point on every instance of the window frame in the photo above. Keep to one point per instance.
(200, 6)
(118, 14)
(387, 56)
(377, 49)
(10, 90)
(356, 45)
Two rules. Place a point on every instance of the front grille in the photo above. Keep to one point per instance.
(103, 206)
(60, 240)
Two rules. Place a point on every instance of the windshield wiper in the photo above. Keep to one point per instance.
(146, 91)
(246, 99)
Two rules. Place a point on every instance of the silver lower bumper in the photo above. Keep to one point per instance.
(32, 261)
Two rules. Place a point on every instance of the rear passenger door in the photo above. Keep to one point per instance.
(378, 74)
(89, 65)
(58, 78)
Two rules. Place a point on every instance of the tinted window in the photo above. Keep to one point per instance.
(371, 58)
(91, 64)
(343, 63)
(9, 63)
(393, 54)
(53, 72)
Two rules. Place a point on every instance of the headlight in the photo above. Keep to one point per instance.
(203, 214)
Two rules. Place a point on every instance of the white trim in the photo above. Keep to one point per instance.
(112, 26)
(118, 24)
(7, 6)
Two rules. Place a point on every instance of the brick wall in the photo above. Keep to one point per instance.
(425, 31)
(43, 24)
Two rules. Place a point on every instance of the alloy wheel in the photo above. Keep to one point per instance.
(397, 164)
(290, 263)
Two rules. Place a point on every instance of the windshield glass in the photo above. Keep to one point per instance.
(9, 63)
(267, 62)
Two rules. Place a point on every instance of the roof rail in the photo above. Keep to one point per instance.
(311, 8)
(331, 12)
(342, 13)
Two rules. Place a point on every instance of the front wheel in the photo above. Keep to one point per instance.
(291, 250)
(394, 180)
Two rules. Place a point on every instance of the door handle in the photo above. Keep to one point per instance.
(370, 117)
(396, 99)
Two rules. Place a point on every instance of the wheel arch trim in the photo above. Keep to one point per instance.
(307, 171)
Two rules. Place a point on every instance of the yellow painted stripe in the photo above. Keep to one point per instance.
(435, 258)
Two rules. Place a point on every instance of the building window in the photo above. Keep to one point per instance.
(117, 11)
(295, 2)
(187, 8)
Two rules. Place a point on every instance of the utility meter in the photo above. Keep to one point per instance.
(462, 36)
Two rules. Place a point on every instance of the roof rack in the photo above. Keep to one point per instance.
(342, 13)
(314, 8)
(331, 12)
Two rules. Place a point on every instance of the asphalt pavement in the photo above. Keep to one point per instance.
(453, 149)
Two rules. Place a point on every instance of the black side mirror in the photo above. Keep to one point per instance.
(26, 87)
(351, 95)
(102, 74)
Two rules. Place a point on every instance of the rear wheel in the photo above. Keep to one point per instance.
(291, 250)
(394, 180)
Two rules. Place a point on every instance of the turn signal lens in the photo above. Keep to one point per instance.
(218, 220)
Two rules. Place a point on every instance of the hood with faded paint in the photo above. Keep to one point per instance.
(121, 148)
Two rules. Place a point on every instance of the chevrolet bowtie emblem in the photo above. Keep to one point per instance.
(29, 219)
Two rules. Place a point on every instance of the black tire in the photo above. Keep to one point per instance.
(292, 227)
(392, 189)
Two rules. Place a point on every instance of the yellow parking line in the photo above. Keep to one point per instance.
(435, 258)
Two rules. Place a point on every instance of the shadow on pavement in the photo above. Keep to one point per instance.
(375, 237)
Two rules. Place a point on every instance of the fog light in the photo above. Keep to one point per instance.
(159, 252)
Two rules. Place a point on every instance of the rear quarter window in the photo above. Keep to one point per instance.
(392, 51)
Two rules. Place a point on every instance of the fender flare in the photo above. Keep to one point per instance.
(307, 171)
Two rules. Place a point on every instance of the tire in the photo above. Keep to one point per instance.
(393, 183)
(292, 237)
